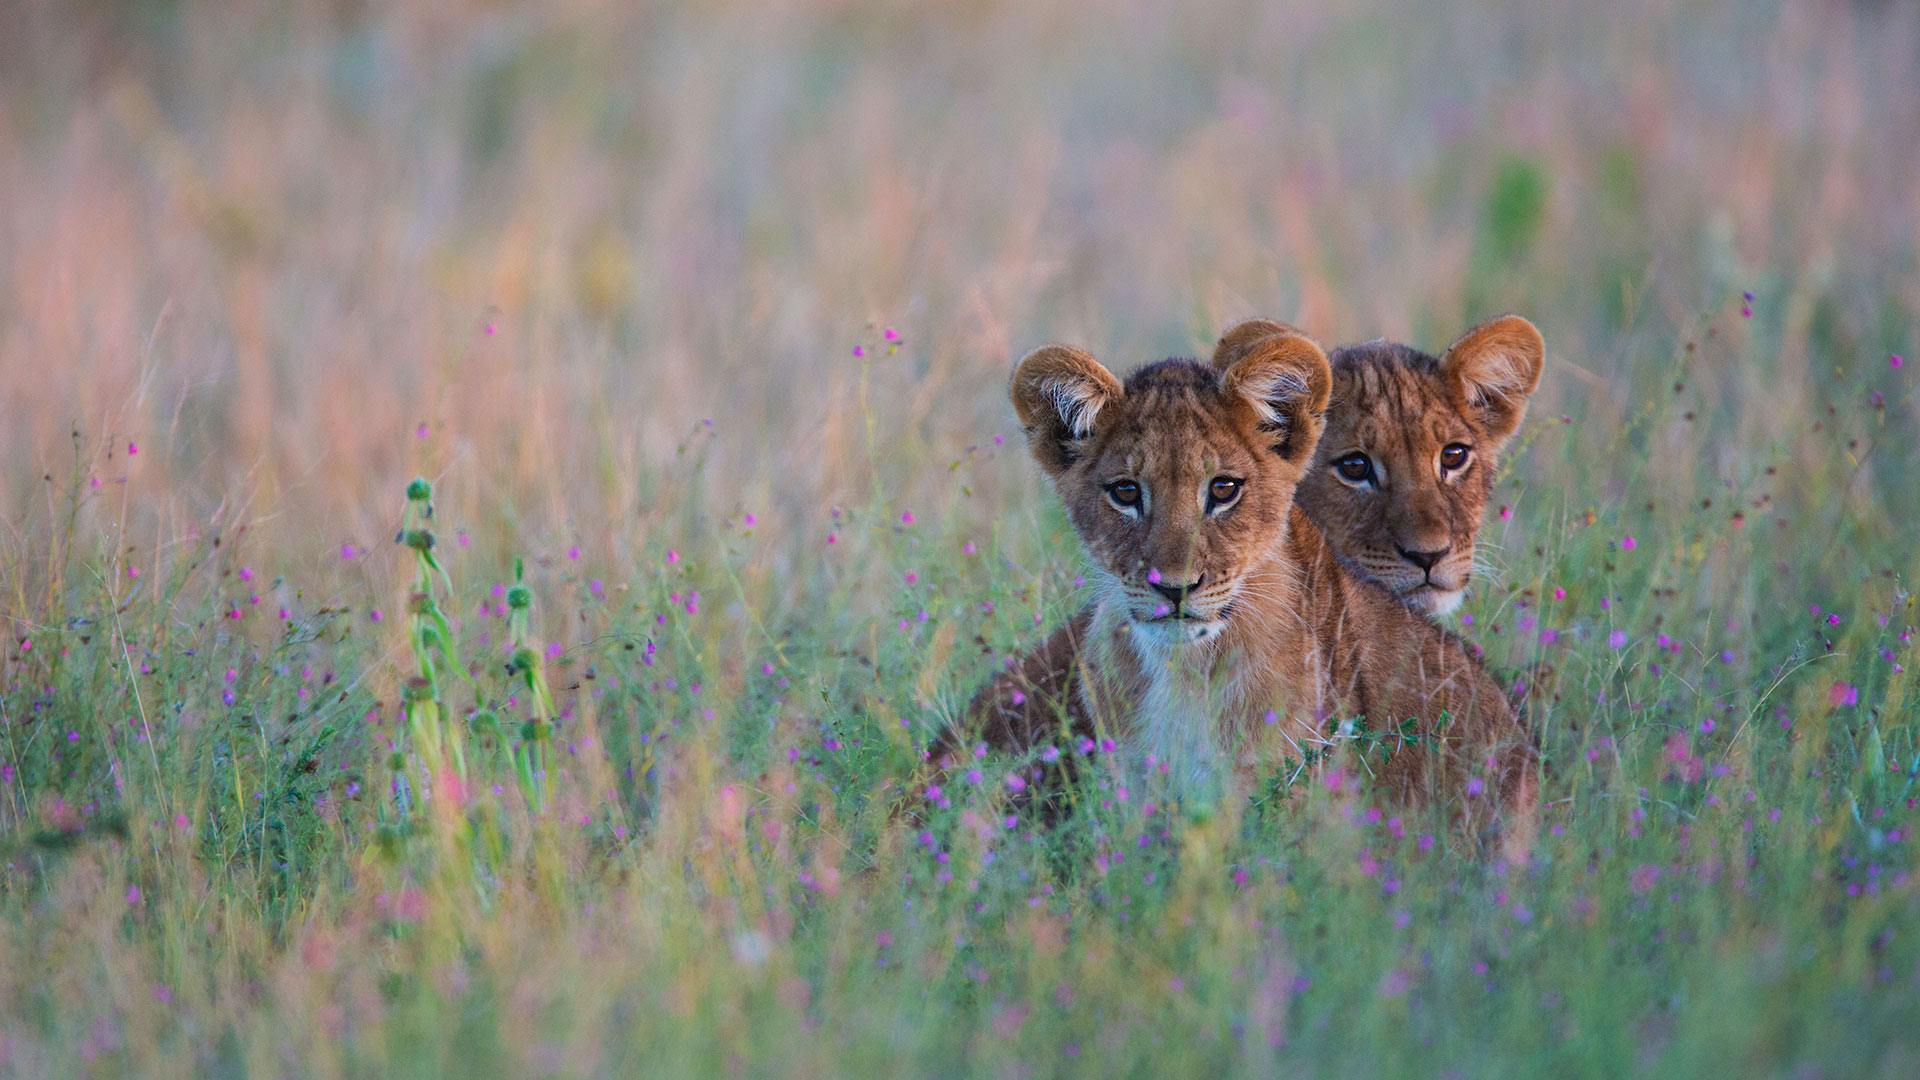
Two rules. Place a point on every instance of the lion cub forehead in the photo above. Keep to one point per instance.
(1393, 392)
(1174, 420)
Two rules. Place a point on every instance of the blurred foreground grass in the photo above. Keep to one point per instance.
(704, 313)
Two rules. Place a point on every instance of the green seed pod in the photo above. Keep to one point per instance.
(419, 490)
(420, 604)
(396, 761)
(418, 539)
(532, 731)
(519, 597)
(484, 722)
(523, 660)
(419, 689)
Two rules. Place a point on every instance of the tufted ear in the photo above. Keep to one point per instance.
(1235, 342)
(1059, 392)
(1285, 380)
(1493, 368)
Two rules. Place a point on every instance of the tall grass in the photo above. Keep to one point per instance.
(588, 753)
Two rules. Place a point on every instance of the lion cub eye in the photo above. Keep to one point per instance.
(1454, 457)
(1124, 493)
(1356, 467)
(1223, 490)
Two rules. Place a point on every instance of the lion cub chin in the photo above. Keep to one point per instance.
(1223, 635)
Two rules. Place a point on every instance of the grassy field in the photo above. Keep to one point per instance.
(695, 320)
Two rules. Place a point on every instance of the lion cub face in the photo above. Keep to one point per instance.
(1178, 481)
(1403, 472)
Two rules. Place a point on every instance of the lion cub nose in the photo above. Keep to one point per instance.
(1425, 560)
(1175, 594)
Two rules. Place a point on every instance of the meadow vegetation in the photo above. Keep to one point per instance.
(589, 751)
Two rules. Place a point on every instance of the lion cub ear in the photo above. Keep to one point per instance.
(1493, 368)
(1285, 380)
(1234, 343)
(1059, 392)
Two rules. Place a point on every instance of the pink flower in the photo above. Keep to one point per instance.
(859, 351)
(906, 517)
(347, 551)
(1643, 877)
(132, 449)
(1617, 639)
(891, 334)
(1895, 361)
(1843, 694)
(1627, 543)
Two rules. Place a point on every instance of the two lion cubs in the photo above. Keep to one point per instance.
(1260, 564)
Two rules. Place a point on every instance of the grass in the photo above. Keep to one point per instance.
(694, 323)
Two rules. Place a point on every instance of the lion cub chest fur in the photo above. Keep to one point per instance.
(1216, 601)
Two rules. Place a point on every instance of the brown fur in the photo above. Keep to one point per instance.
(1271, 620)
(1400, 407)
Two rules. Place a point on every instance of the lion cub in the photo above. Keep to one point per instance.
(1401, 479)
(1223, 634)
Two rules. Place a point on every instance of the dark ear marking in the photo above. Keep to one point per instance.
(1493, 369)
(1059, 393)
(1284, 381)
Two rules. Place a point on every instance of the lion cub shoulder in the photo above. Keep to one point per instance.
(1223, 633)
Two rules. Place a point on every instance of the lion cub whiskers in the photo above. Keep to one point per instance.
(1180, 486)
(1404, 469)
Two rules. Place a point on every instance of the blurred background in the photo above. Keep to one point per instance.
(294, 253)
(673, 298)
